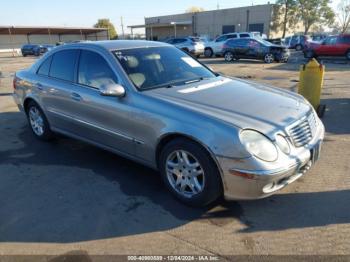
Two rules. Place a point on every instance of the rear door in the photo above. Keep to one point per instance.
(57, 75)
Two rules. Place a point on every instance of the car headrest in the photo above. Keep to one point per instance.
(132, 62)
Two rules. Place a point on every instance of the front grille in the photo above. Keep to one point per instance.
(303, 131)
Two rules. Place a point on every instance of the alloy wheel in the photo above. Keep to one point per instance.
(184, 173)
(36, 121)
(229, 57)
(269, 58)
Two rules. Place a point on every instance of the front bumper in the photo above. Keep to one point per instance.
(245, 184)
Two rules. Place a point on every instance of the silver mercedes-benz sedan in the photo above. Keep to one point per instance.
(207, 134)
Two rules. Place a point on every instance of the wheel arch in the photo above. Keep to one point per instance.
(26, 102)
(167, 138)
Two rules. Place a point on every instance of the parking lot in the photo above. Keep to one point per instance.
(68, 197)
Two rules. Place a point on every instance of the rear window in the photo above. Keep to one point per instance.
(63, 65)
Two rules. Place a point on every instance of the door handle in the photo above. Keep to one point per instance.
(75, 97)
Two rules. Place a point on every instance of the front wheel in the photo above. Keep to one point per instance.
(229, 57)
(269, 58)
(190, 173)
(208, 52)
(38, 122)
(309, 54)
(298, 47)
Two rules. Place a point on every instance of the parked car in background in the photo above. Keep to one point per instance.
(252, 48)
(337, 45)
(297, 42)
(318, 37)
(36, 50)
(215, 47)
(207, 134)
(191, 45)
(276, 41)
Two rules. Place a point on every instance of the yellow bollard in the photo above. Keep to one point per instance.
(311, 82)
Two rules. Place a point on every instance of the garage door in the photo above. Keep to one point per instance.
(256, 28)
(228, 29)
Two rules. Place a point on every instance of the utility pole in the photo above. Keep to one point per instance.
(122, 25)
(218, 6)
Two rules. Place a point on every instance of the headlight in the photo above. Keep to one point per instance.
(283, 144)
(259, 145)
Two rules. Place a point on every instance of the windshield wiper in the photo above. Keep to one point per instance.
(196, 80)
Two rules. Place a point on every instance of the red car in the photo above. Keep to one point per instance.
(332, 46)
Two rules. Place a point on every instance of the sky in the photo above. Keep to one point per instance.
(85, 13)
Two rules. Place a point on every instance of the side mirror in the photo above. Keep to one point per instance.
(112, 90)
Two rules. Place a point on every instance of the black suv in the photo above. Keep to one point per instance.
(252, 48)
(35, 50)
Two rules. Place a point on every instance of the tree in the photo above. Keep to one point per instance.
(194, 9)
(315, 12)
(106, 23)
(284, 15)
(343, 15)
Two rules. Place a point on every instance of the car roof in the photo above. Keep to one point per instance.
(121, 44)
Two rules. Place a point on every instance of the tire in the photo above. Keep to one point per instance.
(229, 56)
(24, 55)
(269, 58)
(39, 126)
(298, 47)
(309, 54)
(208, 52)
(348, 55)
(179, 161)
(321, 110)
(198, 56)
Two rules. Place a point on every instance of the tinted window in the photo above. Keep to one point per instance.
(241, 42)
(94, 70)
(231, 43)
(244, 35)
(45, 67)
(330, 40)
(231, 36)
(63, 65)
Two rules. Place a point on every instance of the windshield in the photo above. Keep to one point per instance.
(264, 42)
(157, 67)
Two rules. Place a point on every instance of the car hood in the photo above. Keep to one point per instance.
(240, 103)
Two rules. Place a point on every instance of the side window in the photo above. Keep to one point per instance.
(44, 69)
(221, 38)
(94, 70)
(63, 65)
(241, 42)
(244, 35)
(231, 43)
(331, 40)
(231, 36)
